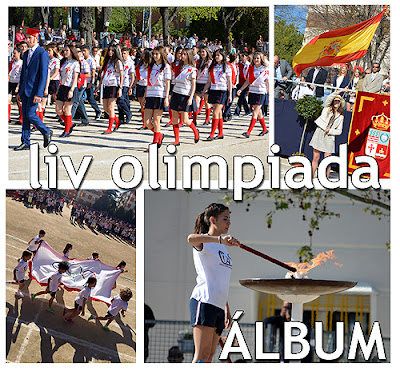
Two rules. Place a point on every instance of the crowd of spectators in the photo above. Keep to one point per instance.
(81, 214)
(355, 78)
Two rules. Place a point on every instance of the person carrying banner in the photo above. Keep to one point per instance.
(118, 303)
(80, 301)
(31, 89)
(35, 242)
(329, 124)
(52, 285)
(19, 272)
(258, 81)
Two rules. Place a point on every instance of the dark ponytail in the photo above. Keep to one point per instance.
(202, 223)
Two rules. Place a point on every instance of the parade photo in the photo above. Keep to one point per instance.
(110, 81)
(332, 83)
(71, 276)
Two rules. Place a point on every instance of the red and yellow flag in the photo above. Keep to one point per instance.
(338, 46)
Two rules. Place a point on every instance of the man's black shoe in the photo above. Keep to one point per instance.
(21, 147)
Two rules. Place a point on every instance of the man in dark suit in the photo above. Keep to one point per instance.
(31, 89)
(283, 72)
(317, 75)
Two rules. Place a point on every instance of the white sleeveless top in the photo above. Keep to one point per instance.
(213, 267)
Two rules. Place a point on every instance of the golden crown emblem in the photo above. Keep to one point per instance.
(381, 122)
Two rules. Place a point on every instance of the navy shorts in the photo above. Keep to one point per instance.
(109, 315)
(62, 94)
(53, 86)
(110, 92)
(11, 87)
(171, 87)
(22, 281)
(199, 88)
(154, 103)
(140, 90)
(205, 314)
(256, 99)
(77, 306)
(218, 97)
(179, 103)
(53, 293)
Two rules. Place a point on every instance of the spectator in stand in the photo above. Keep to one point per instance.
(10, 34)
(94, 37)
(153, 42)
(105, 38)
(342, 79)
(64, 31)
(283, 72)
(58, 38)
(125, 39)
(386, 85)
(71, 36)
(145, 42)
(353, 86)
(373, 81)
(19, 36)
(317, 75)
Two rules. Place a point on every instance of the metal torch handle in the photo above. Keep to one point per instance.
(272, 260)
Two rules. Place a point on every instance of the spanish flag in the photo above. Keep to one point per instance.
(338, 46)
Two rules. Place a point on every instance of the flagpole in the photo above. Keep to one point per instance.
(309, 83)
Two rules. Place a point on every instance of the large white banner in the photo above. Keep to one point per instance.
(45, 263)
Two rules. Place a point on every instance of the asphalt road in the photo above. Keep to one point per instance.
(128, 140)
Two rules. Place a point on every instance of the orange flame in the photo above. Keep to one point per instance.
(303, 268)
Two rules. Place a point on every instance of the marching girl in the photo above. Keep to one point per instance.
(54, 68)
(182, 97)
(176, 66)
(209, 309)
(329, 124)
(112, 77)
(157, 91)
(220, 83)
(141, 80)
(14, 75)
(258, 81)
(202, 77)
(67, 94)
(233, 64)
(244, 66)
(42, 104)
(124, 108)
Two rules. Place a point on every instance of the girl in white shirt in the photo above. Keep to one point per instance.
(234, 65)
(80, 301)
(124, 109)
(67, 94)
(258, 80)
(141, 80)
(209, 309)
(182, 95)
(112, 77)
(157, 91)
(203, 65)
(54, 69)
(176, 66)
(220, 83)
(14, 75)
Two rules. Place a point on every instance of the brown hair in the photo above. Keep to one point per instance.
(202, 223)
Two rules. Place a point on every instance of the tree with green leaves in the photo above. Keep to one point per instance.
(288, 40)
(314, 205)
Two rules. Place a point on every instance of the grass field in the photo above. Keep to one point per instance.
(32, 333)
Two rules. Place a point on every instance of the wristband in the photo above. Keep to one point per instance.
(219, 240)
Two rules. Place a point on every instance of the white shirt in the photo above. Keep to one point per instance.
(33, 246)
(92, 66)
(213, 267)
(157, 81)
(15, 72)
(55, 281)
(259, 85)
(339, 80)
(83, 294)
(221, 77)
(85, 68)
(141, 75)
(170, 58)
(53, 65)
(183, 82)
(116, 305)
(129, 68)
(20, 269)
(202, 76)
(111, 76)
(67, 71)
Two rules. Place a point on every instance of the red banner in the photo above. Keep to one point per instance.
(369, 132)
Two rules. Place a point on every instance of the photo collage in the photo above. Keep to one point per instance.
(198, 184)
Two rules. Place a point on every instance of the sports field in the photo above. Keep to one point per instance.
(35, 335)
